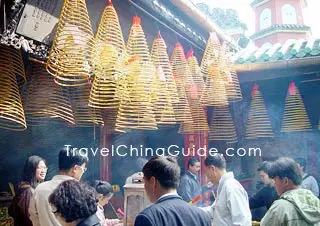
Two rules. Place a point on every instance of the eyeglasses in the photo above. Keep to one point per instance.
(42, 168)
(84, 169)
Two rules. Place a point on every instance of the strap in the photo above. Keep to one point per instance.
(306, 176)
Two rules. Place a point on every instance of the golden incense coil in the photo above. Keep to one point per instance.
(160, 59)
(11, 110)
(103, 90)
(258, 124)
(84, 115)
(222, 126)
(210, 54)
(73, 45)
(44, 99)
(295, 117)
(136, 107)
(214, 92)
(230, 75)
(180, 66)
(196, 74)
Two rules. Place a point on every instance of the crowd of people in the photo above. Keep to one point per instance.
(289, 194)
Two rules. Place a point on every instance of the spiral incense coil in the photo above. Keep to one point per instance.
(72, 46)
(11, 60)
(109, 118)
(109, 30)
(199, 119)
(196, 74)
(44, 99)
(160, 59)
(295, 117)
(180, 67)
(230, 75)
(136, 107)
(104, 85)
(11, 110)
(222, 126)
(162, 101)
(84, 115)
(258, 124)
(214, 92)
(210, 54)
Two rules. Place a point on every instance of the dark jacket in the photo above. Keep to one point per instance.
(189, 187)
(93, 220)
(19, 209)
(264, 197)
(172, 211)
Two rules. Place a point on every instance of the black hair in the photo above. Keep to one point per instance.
(192, 161)
(165, 170)
(74, 200)
(29, 170)
(102, 187)
(216, 160)
(285, 167)
(69, 157)
(302, 162)
(265, 166)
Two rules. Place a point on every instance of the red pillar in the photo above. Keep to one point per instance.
(105, 161)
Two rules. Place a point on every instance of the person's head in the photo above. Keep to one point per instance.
(34, 170)
(194, 165)
(215, 167)
(161, 175)
(301, 164)
(286, 174)
(72, 162)
(263, 173)
(73, 201)
(104, 191)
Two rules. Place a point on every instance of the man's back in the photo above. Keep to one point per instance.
(172, 210)
(40, 210)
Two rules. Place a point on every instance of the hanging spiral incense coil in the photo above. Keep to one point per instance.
(222, 125)
(180, 65)
(196, 74)
(12, 55)
(104, 85)
(12, 115)
(214, 92)
(84, 115)
(160, 59)
(295, 117)
(258, 124)
(210, 54)
(73, 45)
(109, 30)
(136, 107)
(162, 101)
(199, 119)
(44, 99)
(230, 75)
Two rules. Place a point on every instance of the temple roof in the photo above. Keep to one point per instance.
(292, 49)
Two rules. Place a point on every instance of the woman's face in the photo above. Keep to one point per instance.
(41, 171)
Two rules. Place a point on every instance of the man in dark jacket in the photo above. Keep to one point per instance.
(266, 195)
(161, 179)
(189, 186)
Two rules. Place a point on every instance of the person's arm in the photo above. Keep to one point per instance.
(274, 216)
(142, 220)
(257, 200)
(314, 186)
(184, 190)
(238, 205)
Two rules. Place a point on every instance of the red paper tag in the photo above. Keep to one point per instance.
(193, 92)
(175, 76)
(189, 54)
(109, 3)
(292, 89)
(254, 89)
(136, 20)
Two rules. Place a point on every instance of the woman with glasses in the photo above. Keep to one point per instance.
(104, 193)
(34, 172)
